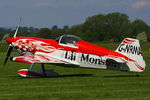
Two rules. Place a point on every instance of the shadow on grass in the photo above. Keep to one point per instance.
(123, 76)
(59, 76)
(79, 75)
(76, 75)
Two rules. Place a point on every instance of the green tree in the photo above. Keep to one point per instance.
(112, 27)
(55, 27)
(116, 26)
(66, 27)
(142, 37)
(139, 26)
(44, 33)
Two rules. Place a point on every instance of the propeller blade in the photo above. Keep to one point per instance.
(17, 27)
(8, 54)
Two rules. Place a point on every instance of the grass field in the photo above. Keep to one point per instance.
(75, 83)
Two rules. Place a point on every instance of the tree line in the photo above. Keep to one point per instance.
(101, 27)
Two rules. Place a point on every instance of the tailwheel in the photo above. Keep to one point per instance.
(42, 72)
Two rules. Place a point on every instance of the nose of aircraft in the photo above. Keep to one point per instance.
(10, 40)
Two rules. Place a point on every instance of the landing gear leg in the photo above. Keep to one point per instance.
(32, 65)
(43, 69)
(42, 72)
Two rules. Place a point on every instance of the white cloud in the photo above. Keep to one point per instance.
(86, 3)
(140, 4)
(45, 4)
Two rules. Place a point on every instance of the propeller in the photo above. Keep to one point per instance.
(17, 27)
(8, 53)
(10, 47)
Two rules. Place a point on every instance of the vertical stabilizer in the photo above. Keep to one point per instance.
(131, 48)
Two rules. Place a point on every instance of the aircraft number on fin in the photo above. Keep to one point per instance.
(129, 49)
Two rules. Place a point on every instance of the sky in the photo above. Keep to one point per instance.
(46, 13)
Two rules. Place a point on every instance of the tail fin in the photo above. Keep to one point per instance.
(131, 48)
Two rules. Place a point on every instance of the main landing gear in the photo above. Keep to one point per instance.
(42, 72)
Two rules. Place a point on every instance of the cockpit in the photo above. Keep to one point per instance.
(68, 40)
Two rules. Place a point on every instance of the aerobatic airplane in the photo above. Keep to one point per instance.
(70, 49)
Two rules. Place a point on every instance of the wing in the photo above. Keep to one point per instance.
(37, 59)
